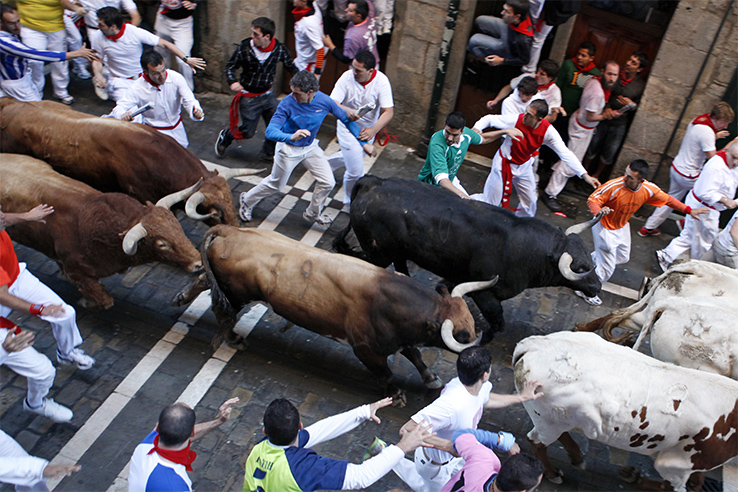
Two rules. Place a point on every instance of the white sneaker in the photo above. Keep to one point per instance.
(101, 92)
(244, 210)
(594, 300)
(321, 220)
(82, 73)
(76, 357)
(661, 258)
(51, 410)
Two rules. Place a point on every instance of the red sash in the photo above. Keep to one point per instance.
(233, 113)
(520, 153)
(704, 119)
(164, 128)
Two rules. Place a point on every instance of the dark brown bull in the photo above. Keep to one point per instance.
(375, 311)
(92, 234)
(116, 156)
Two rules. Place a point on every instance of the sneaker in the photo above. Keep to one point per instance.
(374, 449)
(68, 99)
(82, 73)
(643, 232)
(101, 92)
(594, 300)
(76, 357)
(244, 211)
(51, 410)
(220, 144)
(321, 220)
(663, 261)
(551, 202)
(557, 479)
(680, 225)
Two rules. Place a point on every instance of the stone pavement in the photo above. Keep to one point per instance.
(117, 402)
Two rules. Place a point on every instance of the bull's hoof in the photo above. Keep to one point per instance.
(179, 300)
(88, 303)
(236, 341)
(582, 465)
(629, 474)
(435, 383)
(399, 400)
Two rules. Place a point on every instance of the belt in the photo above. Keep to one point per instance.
(160, 128)
(576, 120)
(126, 78)
(702, 201)
(434, 462)
(682, 174)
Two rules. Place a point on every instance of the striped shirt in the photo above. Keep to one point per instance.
(14, 56)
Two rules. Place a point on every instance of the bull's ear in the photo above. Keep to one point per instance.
(149, 204)
(442, 289)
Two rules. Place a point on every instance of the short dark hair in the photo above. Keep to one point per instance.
(550, 68)
(456, 120)
(305, 81)
(528, 86)
(110, 16)
(281, 422)
(639, 166)
(176, 423)
(540, 106)
(362, 8)
(589, 46)
(151, 57)
(519, 472)
(265, 25)
(5, 8)
(366, 58)
(472, 363)
(521, 7)
(641, 58)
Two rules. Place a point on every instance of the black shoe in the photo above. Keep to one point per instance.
(220, 144)
(264, 157)
(551, 202)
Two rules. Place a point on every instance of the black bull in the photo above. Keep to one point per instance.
(396, 220)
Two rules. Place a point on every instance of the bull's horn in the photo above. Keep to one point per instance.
(178, 196)
(466, 287)
(580, 228)
(132, 237)
(566, 271)
(191, 207)
(447, 334)
(233, 173)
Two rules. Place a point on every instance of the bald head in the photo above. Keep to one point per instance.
(176, 423)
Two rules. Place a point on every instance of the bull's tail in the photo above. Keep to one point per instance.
(220, 304)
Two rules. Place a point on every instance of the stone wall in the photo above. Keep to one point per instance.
(675, 71)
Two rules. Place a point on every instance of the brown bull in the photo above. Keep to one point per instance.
(116, 156)
(91, 234)
(375, 311)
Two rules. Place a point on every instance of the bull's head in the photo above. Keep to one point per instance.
(460, 334)
(575, 263)
(213, 203)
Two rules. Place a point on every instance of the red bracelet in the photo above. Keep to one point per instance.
(36, 309)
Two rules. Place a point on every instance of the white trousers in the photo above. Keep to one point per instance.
(679, 186)
(179, 134)
(539, 37)
(31, 289)
(579, 139)
(719, 254)
(74, 41)
(118, 86)
(423, 476)
(21, 89)
(611, 248)
(286, 159)
(19, 468)
(697, 236)
(178, 32)
(351, 156)
(524, 181)
(35, 367)
(50, 41)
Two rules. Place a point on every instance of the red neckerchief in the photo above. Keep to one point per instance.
(524, 27)
(723, 156)
(298, 14)
(704, 119)
(583, 69)
(182, 457)
(268, 48)
(623, 80)
(157, 86)
(9, 325)
(364, 84)
(607, 94)
(544, 87)
(120, 33)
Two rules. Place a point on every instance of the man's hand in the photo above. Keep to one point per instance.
(514, 134)
(529, 391)
(99, 82)
(593, 182)
(728, 202)
(83, 53)
(559, 110)
(373, 407)
(492, 103)
(225, 409)
(236, 87)
(198, 113)
(367, 133)
(301, 133)
(415, 438)
(515, 449)
(127, 116)
(352, 114)
(696, 212)
(493, 60)
(16, 343)
(623, 101)
(369, 150)
(37, 213)
(329, 42)
(53, 310)
(189, 5)
(604, 211)
(59, 471)
(196, 63)
(722, 134)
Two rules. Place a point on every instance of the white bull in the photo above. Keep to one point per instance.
(686, 419)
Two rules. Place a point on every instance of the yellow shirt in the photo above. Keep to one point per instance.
(41, 15)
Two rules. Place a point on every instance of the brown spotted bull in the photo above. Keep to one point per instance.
(116, 156)
(91, 234)
(375, 311)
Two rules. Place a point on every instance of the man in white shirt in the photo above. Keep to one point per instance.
(715, 188)
(547, 89)
(166, 92)
(698, 145)
(582, 125)
(92, 6)
(175, 23)
(121, 45)
(308, 36)
(460, 406)
(366, 95)
(27, 472)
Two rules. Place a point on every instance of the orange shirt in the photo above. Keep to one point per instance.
(625, 202)
(9, 268)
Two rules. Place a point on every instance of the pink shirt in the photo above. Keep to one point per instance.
(481, 464)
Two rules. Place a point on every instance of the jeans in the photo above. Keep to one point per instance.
(492, 40)
(251, 109)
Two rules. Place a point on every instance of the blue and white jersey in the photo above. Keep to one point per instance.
(14, 56)
(150, 472)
